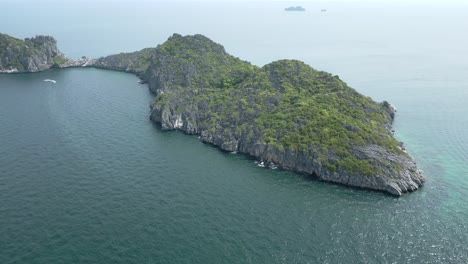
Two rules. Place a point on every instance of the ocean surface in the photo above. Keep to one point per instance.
(85, 177)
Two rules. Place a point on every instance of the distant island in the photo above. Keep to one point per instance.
(35, 54)
(285, 114)
(295, 8)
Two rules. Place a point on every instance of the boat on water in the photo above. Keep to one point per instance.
(50, 80)
(261, 164)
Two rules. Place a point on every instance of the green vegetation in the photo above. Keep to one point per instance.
(17, 53)
(312, 109)
(285, 105)
(285, 112)
(197, 62)
(136, 62)
(60, 60)
(11, 52)
(289, 105)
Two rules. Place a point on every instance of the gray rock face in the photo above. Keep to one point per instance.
(29, 55)
(166, 71)
(35, 54)
(397, 172)
(69, 63)
(406, 179)
(133, 62)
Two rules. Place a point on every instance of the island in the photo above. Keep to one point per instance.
(33, 55)
(295, 8)
(285, 113)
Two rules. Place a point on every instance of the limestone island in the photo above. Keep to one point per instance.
(295, 8)
(285, 113)
(33, 55)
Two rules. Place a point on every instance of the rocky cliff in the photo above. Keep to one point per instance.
(134, 62)
(33, 55)
(285, 113)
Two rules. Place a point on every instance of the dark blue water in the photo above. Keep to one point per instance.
(86, 178)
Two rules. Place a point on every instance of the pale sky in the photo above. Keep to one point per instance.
(286, 2)
(305, 2)
(331, 1)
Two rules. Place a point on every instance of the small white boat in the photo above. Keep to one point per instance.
(261, 164)
(273, 166)
(49, 80)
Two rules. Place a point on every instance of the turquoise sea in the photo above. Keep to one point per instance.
(85, 177)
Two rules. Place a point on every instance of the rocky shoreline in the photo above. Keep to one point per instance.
(185, 74)
(11, 70)
(35, 54)
(406, 180)
(70, 63)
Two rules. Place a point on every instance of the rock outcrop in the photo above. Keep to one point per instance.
(285, 113)
(134, 62)
(295, 8)
(35, 54)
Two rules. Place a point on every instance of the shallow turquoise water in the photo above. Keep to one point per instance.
(86, 178)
